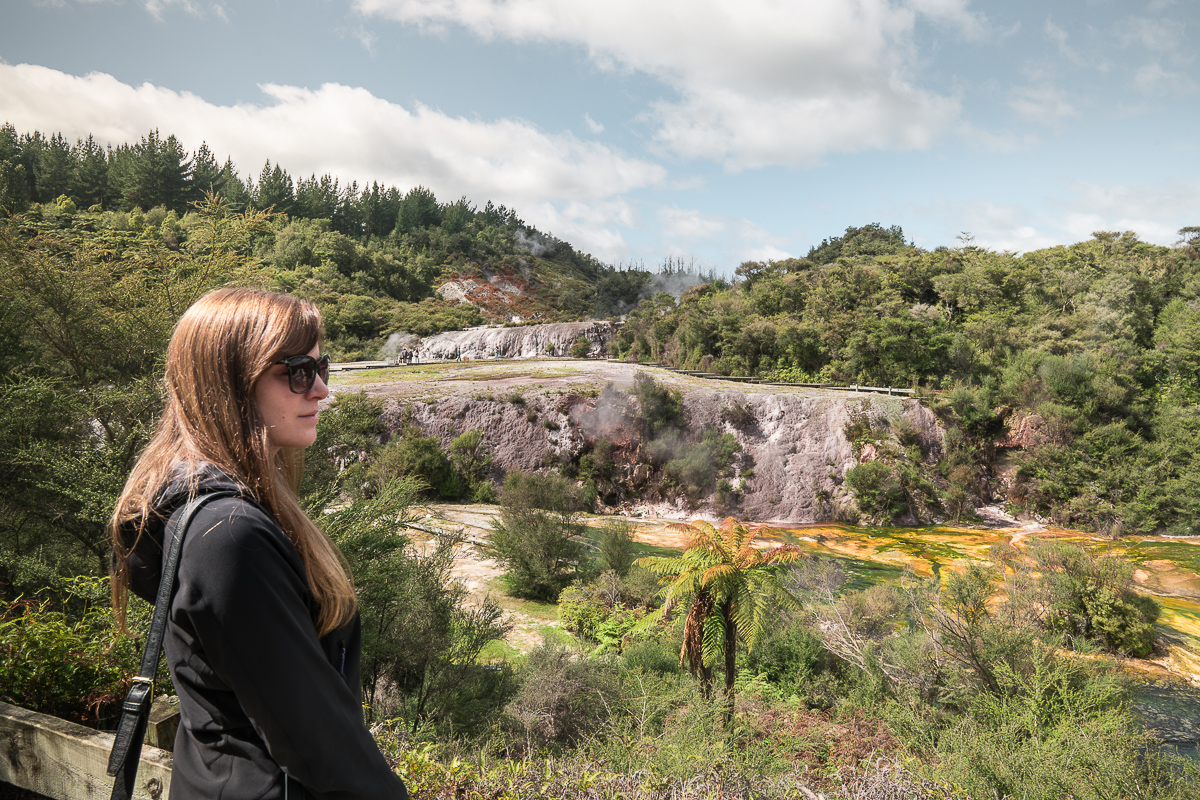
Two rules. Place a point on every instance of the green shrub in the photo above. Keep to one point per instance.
(537, 537)
(652, 655)
(877, 492)
(67, 658)
(791, 656)
(1092, 596)
(616, 545)
(581, 611)
(562, 698)
(415, 455)
(659, 408)
(472, 459)
(739, 415)
(421, 640)
(348, 434)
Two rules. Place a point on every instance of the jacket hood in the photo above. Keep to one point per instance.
(144, 561)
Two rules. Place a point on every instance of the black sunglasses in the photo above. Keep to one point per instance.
(303, 371)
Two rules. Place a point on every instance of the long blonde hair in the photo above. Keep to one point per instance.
(220, 348)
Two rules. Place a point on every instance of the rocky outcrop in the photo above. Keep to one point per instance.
(525, 341)
(799, 448)
(794, 448)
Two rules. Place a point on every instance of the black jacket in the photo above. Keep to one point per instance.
(260, 694)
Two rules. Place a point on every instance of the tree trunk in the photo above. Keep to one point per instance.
(730, 660)
(706, 682)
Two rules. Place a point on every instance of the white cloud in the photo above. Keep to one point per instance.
(158, 7)
(1042, 103)
(348, 133)
(764, 253)
(1059, 37)
(1154, 212)
(1157, 35)
(728, 240)
(680, 224)
(1002, 227)
(756, 82)
(972, 25)
(590, 227)
(1153, 79)
(593, 126)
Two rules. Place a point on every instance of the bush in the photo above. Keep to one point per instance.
(537, 538)
(581, 610)
(1056, 729)
(415, 455)
(348, 434)
(67, 658)
(581, 348)
(659, 408)
(791, 657)
(652, 655)
(739, 415)
(1092, 597)
(616, 546)
(562, 698)
(877, 492)
(472, 459)
(421, 641)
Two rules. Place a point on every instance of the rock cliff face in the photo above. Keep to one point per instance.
(795, 444)
(527, 341)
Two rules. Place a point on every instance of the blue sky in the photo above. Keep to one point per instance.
(719, 130)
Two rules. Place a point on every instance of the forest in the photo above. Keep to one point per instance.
(1065, 379)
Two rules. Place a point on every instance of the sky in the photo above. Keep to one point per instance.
(714, 131)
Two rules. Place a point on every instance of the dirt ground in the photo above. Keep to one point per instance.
(545, 376)
(480, 575)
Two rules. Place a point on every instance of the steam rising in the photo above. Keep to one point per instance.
(395, 343)
(534, 242)
(606, 418)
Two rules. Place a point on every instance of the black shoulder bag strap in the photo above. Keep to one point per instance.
(127, 747)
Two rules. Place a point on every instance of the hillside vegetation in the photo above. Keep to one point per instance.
(1065, 379)
(371, 257)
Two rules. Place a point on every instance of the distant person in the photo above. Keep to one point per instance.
(263, 637)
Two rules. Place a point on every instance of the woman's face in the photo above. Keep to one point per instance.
(291, 418)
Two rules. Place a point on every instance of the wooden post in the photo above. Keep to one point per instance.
(66, 761)
(163, 722)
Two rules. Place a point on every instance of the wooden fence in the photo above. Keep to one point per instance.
(65, 761)
(713, 376)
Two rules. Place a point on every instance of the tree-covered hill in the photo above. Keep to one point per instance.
(1067, 376)
(371, 257)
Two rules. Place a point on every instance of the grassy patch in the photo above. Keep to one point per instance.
(552, 634)
(497, 650)
(1181, 554)
(360, 377)
(532, 608)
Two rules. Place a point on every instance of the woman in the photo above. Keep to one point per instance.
(263, 636)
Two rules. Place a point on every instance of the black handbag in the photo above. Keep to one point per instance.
(127, 747)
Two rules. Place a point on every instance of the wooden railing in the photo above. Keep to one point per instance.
(65, 761)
